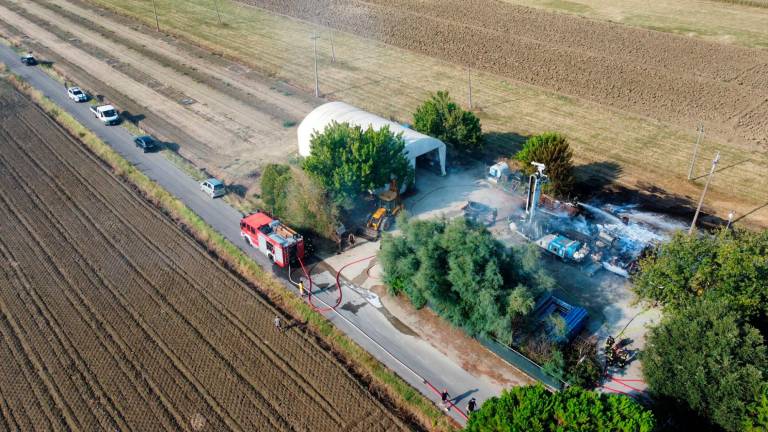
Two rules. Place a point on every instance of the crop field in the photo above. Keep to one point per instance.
(616, 135)
(738, 22)
(113, 319)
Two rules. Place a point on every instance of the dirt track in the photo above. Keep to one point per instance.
(663, 76)
(112, 319)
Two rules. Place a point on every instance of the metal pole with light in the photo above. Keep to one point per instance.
(317, 82)
(157, 20)
(700, 130)
(704, 192)
(731, 214)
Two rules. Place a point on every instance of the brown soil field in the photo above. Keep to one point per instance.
(663, 76)
(113, 319)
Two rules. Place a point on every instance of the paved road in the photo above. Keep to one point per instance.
(411, 357)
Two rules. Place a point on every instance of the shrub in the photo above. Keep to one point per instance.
(463, 273)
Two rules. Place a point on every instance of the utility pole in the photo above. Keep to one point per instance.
(469, 85)
(700, 130)
(218, 14)
(157, 21)
(317, 82)
(333, 50)
(704, 192)
(731, 214)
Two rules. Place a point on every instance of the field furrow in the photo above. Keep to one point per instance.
(117, 320)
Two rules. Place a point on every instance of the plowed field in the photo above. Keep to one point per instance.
(112, 319)
(659, 75)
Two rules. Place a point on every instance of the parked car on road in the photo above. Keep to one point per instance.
(214, 188)
(146, 143)
(76, 94)
(29, 59)
(106, 113)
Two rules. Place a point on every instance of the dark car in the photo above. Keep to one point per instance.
(29, 60)
(146, 143)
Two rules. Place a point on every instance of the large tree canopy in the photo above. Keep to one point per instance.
(465, 275)
(703, 357)
(534, 409)
(348, 160)
(440, 117)
(730, 265)
(553, 150)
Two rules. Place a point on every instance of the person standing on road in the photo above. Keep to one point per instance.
(471, 406)
(444, 397)
(278, 325)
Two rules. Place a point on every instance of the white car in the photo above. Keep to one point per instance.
(214, 188)
(76, 94)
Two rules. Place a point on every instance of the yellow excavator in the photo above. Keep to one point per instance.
(390, 205)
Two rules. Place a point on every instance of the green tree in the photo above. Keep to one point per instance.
(553, 150)
(300, 201)
(534, 409)
(729, 265)
(348, 160)
(703, 357)
(440, 117)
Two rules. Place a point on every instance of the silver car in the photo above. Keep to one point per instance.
(213, 187)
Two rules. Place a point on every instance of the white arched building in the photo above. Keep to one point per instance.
(416, 143)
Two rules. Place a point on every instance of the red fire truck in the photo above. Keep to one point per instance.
(279, 243)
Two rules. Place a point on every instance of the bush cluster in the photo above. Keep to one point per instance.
(464, 274)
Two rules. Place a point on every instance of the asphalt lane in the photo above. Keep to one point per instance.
(410, 357)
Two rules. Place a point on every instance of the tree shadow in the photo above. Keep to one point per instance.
(502, 144)
(592, 178)
(132, 118)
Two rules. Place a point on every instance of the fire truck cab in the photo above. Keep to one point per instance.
(279, 243)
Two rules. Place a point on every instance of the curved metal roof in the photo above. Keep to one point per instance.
(416, 143)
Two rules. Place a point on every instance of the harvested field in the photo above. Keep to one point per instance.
(113, 319)
(738, 22)
(659, 75)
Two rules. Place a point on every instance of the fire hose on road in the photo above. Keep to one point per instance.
(332, 308)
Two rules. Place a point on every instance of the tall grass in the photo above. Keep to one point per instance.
(404, 398)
